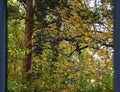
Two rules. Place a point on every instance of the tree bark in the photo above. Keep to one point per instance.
(28, 39)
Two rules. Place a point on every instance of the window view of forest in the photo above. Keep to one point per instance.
(60, 46)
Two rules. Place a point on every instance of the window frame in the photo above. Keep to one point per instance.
(3, 36)
(116, 46)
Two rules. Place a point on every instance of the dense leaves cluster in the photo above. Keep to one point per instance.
(71, 46)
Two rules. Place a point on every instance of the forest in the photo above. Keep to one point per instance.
(60, 46)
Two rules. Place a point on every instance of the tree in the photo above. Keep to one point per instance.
(28, 37)
(59, 37)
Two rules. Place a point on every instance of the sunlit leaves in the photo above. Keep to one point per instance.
(72, 47)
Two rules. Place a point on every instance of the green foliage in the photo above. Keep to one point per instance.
(15, 87)
(70, 53)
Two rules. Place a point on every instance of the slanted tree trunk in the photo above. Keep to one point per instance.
(28, 39)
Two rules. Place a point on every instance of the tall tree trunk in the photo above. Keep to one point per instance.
(28, 39)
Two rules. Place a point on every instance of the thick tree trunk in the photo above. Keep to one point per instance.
(28, 39)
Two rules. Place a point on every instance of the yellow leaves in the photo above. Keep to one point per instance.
(38, 83)
(65, 46)
(64, 74)
(90, 20)
(63, 11)
(55, 31)
(83, 13)
(71, 64)
(75, 75)
(58, 64)
(87, 39)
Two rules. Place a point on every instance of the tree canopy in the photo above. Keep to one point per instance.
(60, 46)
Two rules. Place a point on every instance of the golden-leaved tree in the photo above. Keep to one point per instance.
(60, 46)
